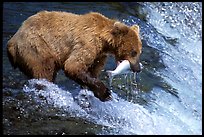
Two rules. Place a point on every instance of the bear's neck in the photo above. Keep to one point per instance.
(109, 48)
(109, 44)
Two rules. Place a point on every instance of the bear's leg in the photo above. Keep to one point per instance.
(47, 69)
(98, 65)
(38, 67)
(77, 72)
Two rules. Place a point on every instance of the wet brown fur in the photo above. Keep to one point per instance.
(78, 44)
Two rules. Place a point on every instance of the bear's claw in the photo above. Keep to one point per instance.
(102, 93)
(107, 96)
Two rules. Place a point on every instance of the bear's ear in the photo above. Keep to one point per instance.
(119, 29)
(136, 28)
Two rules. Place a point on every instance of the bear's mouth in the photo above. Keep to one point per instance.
(133, 67)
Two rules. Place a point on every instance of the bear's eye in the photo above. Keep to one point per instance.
(133, 53)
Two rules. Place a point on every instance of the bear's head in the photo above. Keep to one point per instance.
(126, 44)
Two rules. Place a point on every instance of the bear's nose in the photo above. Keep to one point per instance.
(137, 68)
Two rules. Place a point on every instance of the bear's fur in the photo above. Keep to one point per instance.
(78, 44)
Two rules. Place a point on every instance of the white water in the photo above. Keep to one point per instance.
(165, 113)
(184, 65)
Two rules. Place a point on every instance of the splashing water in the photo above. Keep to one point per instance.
(180, 26)
(121, 116)
(184, 65)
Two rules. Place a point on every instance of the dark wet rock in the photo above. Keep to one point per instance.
(39, 86)
(24, 116)
(170, 40)
(131, 8)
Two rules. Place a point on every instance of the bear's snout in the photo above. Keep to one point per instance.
(136, 67)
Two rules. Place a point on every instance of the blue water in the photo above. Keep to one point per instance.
(167, 99)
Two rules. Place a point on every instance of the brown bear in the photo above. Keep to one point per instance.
(79, 44)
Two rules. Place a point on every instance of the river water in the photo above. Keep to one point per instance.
(166, 100)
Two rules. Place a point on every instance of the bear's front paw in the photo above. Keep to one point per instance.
(102, 92)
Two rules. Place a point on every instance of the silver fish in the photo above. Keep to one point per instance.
(122, 68)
